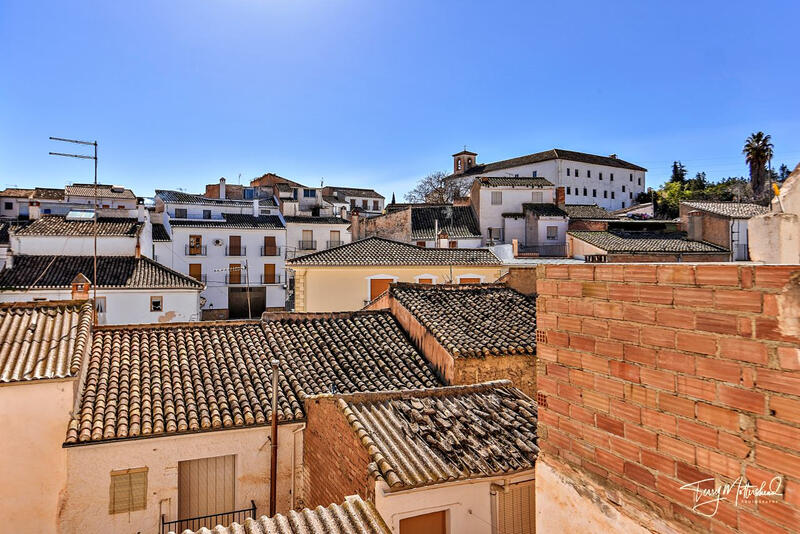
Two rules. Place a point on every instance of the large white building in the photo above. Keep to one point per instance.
(607, 181)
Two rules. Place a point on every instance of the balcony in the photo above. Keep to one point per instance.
(338, 243)
(551, 251)
(208, 521)
(270, 280)
(270, 251)
(236, 251)
(306, 245)
(195, 250)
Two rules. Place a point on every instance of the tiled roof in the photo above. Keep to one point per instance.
(587, 211)
(472, 320)
(623, 211)
(160, 233)
(735, 210)
(43, 339)
(284, 187)
(354, 516)
(15, 192)
(509, 181)
(154, 380)
(58, 225)
(297, 219)
(231, 220)
(545, 210)
(621, 242)
(10, 226)
(457, 221)
(112, 272)
(179, 197)
(380, 251)
(418, 438)
(556, 153)
(355, 192)
(103, 190)
(48, 193)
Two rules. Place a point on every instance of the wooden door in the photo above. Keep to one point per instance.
(516, 510)
(235, 273)
(206, 486)
(235, 245)
(195, 244)
(196, 271)
(378, 286)
(433, 523)
(270, 247)
(269, 273)
(469, 280)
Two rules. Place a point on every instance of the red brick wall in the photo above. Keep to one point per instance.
(587, 225)
(334, 460)
(656, 376)
(662, 258)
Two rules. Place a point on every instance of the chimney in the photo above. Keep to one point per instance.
(436, 231)
(80, 287)
(222, 188)
(343, 212)
(138, 251)
(355, 228)
(255, 206)
(443, 240)
(140, 210)
(34, 210)
(561, 195)
(515, 247)
(9, 259)
(612, 156)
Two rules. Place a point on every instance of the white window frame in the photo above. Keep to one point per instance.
(160, 299)
(374, 276)
(433, 277)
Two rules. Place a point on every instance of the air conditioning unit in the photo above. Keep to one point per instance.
(218, 242)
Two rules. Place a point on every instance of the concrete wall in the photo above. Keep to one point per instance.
(321, 234)
(33, 466)
(775, 236)
(491, 215)
(84, 506)
(73, 246)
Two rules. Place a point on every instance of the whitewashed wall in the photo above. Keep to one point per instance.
(72, 245)
(321, 233)
(491, 216)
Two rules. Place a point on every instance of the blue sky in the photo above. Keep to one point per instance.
(377, 93)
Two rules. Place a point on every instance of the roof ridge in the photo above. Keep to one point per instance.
(267, 316)
(42, 304)
(441, 391)
(184, 324)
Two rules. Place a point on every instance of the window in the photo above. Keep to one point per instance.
(577, 173)
(156, 304)
(612, 194)
(567, 171)
(364, 204)
(453, 244)
(206, 214)
(569, 190)
(100, 305)
(537, 197)
(605, 194)
(421, 244)
(611, 177)
(294, 193)
(594, 193)
(589, 173)
(623, 188)
(458, 164)
(497, 198)
(376, 205)
(195, 245)
(180, 213)
(352, 203)
(433, 523)
(623, 204)
(9, 205)
(631, 177)
(584, 191)
(630, 195)
(638, 181)
(128, 491)
(552, 233)
(196, 271)
(235, 273)
(309, 193)
(535, 173)
(601, 175)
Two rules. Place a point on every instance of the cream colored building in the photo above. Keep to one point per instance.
(350, 276)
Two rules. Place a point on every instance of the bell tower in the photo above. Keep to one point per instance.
(463, 161)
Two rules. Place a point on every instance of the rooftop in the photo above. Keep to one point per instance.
(508, 181)
(10, 226)
(179, 197)
(231, 220)
(380, 251)
(59, 225)
(300, 219)
(48, 193)
(16, 192)
(103, 190)
(735, 210)
(156, 380)
(128, 272)
(457, 221)
(160, 233)
(353, 191)
(544, 210)
(621, 242)
(474, 320)
(556, 153)
(43, 340)
(587, 211)
(424, 437)
(354, 516)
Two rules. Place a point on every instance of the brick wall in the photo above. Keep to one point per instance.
(667, 258)
(395, 225)
(655, 376)
(334, 459)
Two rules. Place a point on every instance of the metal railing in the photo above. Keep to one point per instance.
(234, 280)
(266, 280)
(270, 251)
(236, 251)
(197, 250)
(558, 251)
(208, 521)
(338, 243)
(595, 258)
(307, 245)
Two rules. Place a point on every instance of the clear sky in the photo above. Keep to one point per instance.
(376, 94)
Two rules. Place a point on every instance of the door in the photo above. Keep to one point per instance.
(270, 246)
(235, 273)
(269, 273)
(206, 486)
(237, 302)
(378, 286)
(196, 271)
(308, 240)
(235, 245)
(336, 239)
(433, 523)
(516, 510)
(195, 244)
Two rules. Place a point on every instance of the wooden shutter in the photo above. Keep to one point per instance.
(425, 280)
(235, 273)
(516, 510)
(128, 491)
(378, 286)
(433, 523)
(269, 273)
(270, 247)
(195, 244)
(206, 486)
(196, 270)
(235, 245)
(469, 280)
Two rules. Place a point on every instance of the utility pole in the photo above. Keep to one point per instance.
(94, 232)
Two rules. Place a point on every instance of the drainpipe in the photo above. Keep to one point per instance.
(294, 449)
(273, 461)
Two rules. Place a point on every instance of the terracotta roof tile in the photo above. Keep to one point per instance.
(544, 210)
(15, 192)
(458, 221)
(160, 233)
(299, 219)
(103, 190)
(621, 242)
(587, 211)
(514, 181)
(48, 193)
(231, 220)
(556, 153)
(735, 210)
(179, 197)
(59, 225)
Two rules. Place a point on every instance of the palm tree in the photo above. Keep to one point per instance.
(757, 153)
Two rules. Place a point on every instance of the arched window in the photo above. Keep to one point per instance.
(458, 164)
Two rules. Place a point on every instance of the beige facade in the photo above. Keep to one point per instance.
(343, 288)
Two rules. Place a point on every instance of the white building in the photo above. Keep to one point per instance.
(108, 196)
(305, 235)
(368, 201)
(14, 202)
(236, 248)
(607, 181)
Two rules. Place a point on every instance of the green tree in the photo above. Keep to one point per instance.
(757, 153)
(698, 183)
(783, 172)
(678, 172)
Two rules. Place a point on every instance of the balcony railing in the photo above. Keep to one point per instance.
(553, 251)
(236, 251)
(332, 244)
(195, 250)
(208, 521)
(596, 258)
(307, 245)
(267, 280)
(270, 251)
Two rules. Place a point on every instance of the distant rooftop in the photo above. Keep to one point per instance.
(556, 153)
(621, 242)
(587, 211)
(735, 210)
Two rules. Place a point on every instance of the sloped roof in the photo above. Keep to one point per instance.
(458, 221)
(160, 233)
(10, 226)
(231, 220)
(16, 192)
(424, 437)
(112, 272)
(354, 192)
(48, 193)
(472, 320)
(354, 516)
(43, 340)
(179, 197)
(58, 225)
(587, 211)
(621, 242)
(156, 380)
(556, 153)
(735, 210)
(514, 181)
(544, 210)
(380, 251)
(103, 190)
(299, 219)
